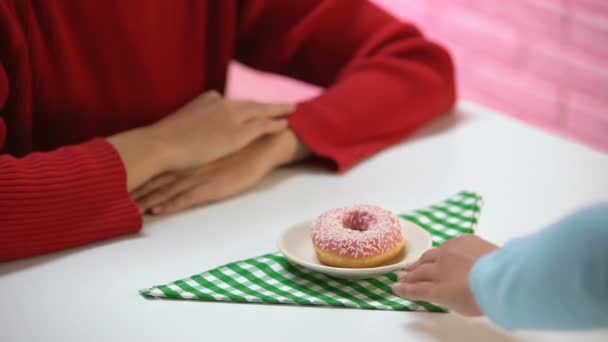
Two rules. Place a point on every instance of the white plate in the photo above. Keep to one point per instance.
(296, 244)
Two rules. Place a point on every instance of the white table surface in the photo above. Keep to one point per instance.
(527, 177)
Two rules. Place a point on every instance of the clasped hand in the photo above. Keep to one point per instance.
(208, 150)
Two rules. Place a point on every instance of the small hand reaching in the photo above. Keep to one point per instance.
(441, 275)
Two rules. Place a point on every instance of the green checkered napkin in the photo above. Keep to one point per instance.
(271, 279)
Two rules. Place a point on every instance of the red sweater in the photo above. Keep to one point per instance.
(74, 72)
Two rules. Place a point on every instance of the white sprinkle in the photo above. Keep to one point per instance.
(357, 231)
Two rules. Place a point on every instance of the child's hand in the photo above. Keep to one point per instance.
(441, 275)
(220, 179)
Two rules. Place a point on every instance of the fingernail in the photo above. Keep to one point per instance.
(156, 210)
(399, 289)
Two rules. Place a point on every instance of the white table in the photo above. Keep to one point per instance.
(528, 178)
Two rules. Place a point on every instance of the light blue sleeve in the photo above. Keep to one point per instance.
(554, 279)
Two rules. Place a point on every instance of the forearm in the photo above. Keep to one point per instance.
(63, 198)
(347, 131)
(288, 148)
(142, 154)
(555, 279)
(383, 78)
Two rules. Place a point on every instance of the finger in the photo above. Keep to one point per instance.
(429, 256)
(267, 111)
(153, 184)
(263, 127)
(210, 95)
(424, 273)
(244, 105)
(255, 130)
(169, 191)
(187, 199)
(418, 291)
(244, 110)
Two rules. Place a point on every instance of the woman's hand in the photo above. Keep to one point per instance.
(441, 275)
(211, 127)
(220, 179)
(206, 129)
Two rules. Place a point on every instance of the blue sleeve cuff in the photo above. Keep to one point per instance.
(480, 280)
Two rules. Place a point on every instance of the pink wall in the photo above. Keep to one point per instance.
(542, 61)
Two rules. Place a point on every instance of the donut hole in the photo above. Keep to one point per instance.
(358, 220)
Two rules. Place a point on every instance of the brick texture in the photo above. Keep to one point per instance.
(542, 61)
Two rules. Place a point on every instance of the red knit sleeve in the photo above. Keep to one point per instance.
(60, 199)
(64, 198)
(384, 79)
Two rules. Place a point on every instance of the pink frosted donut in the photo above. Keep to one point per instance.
(358, 236)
